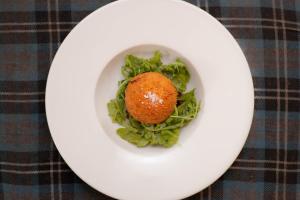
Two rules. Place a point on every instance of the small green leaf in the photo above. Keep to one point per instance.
(169, 137)
(132, 136)
(178, 74)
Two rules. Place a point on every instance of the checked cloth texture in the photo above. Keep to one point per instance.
(268, 32)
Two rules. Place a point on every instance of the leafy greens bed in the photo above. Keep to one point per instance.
(166, 133)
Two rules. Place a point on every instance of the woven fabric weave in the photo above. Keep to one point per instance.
(268, 32)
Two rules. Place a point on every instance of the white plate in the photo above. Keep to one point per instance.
(83, 77)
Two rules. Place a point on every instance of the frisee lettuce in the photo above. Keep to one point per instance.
(165, 134)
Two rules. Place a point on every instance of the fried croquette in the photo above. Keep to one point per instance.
(150, 97)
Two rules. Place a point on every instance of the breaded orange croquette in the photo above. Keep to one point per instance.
(150, 97)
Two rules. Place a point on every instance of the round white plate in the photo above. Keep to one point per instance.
(83, 77)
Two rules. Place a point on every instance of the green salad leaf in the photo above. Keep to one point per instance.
(165, 134)
(132, 136)
(177, 73)
(134, 65)
(116, 107)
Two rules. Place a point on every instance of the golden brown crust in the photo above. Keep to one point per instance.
(150, 97)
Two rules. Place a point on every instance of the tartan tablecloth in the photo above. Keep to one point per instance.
(268, 32)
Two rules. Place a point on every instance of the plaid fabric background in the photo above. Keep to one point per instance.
(268, 32)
